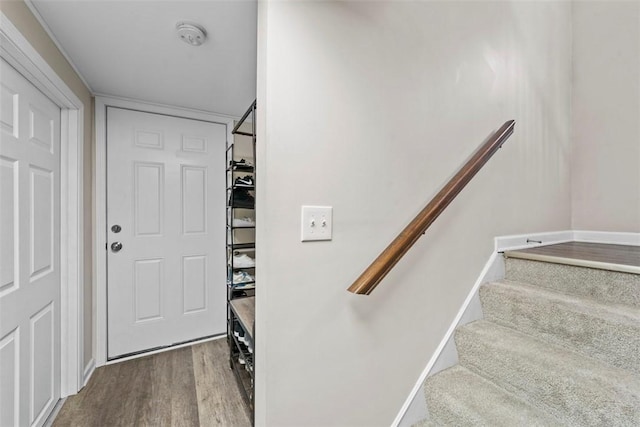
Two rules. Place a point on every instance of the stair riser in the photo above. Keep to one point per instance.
(578, 394)
(610, 339)
(600, 285)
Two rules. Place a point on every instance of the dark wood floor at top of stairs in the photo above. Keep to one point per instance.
(190, 386)
(598, 252)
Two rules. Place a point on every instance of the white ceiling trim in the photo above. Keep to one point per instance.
(134, 103)
(53, 38)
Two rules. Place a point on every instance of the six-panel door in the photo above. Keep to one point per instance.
(165, 192)
(29, 251)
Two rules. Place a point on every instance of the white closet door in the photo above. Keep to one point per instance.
(165, 190)
(29, 251)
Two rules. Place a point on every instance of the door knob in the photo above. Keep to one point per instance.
(116, 246)
(116, 228)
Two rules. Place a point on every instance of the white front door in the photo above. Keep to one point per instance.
(165, 195)
(29, 251)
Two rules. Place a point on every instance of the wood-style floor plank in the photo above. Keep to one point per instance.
(173, 391)
(597, 252)
(190, 387)
(88, 405)
(184, 402)
(134, 405)
(220, 402)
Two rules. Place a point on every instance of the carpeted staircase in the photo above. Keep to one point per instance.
(558, 345)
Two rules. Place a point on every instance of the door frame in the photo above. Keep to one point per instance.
(100, 194)
(17, 51)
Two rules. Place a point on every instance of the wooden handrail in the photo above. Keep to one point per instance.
(379, 268)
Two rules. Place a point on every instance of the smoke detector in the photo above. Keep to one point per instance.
(190, 33)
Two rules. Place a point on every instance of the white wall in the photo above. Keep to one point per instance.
(369, 107)
(606, 116)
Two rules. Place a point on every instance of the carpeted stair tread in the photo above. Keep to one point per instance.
(426, 423)
(606, 332)
(601, 285)
(575, 389)
(458, 397)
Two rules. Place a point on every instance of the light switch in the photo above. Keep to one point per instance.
(317, 223)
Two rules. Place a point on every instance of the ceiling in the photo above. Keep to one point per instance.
(131, 49)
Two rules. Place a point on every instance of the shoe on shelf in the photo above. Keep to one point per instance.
(243, 261)
(239, 293)
(246, 340)
(243, 204)
(241, 359)
(238, 331)
(246, 180)
(243, 222)
(241, 198)
(241, 277)
(242, 193)
(242, 163)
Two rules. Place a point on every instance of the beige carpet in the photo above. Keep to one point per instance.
(558, 345)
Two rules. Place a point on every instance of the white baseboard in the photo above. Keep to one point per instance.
(54, 413)
(531, 240)
(445, 355)
(614, 238)
(88, 371)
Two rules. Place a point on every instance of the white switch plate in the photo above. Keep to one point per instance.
(317, 223)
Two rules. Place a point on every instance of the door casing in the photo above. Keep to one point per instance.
(100, 194)
(17, 51)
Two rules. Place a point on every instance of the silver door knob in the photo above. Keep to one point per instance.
(116, 246)
(116, 228)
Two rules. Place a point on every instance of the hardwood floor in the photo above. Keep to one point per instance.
(190, 386)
